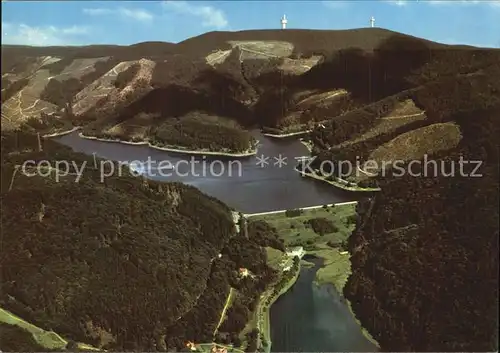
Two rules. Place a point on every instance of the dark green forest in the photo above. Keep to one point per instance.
(425, 252)
(111, 264)
(199, 134)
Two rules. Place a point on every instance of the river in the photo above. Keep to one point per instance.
(243, 185)
(312, 318)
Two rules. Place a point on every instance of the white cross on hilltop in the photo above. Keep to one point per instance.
(372, 22)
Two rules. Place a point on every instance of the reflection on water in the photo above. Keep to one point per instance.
(311, 318)
(240, 183)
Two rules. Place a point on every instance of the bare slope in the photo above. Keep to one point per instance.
(84, 74)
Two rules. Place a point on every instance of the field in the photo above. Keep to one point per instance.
(323, 97)
(79, 68)
(299, 66)
(295, 233)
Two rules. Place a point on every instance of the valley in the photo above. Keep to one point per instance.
(343, 257)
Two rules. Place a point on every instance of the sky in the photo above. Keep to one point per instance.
(44, 23)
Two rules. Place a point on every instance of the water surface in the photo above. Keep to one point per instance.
(244, 185)
(311, 318)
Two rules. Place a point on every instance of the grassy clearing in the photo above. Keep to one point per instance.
(299, 66)
(79, 68)
(275, 258)
(295, 233)
(266, 48)
(321, 97)
(406, 107)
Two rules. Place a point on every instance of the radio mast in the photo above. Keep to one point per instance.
(283, 22)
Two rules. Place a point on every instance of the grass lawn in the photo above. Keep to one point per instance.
(295, 232)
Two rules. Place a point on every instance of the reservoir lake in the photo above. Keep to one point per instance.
(243, 185)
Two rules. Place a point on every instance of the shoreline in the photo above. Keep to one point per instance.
(337, 184)
(62, 133)
(266, 313)
(364, 331)
(280, 136)
(172, 149)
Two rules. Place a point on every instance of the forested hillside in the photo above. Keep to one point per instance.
(425, 249)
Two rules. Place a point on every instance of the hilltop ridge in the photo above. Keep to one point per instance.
(234, 75)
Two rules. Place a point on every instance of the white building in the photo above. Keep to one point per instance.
(297, 251)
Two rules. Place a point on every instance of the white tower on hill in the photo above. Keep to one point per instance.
(283, 22)
(372, 22)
